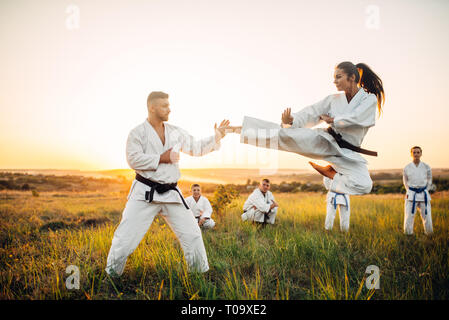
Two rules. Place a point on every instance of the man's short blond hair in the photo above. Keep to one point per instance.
(156, 95)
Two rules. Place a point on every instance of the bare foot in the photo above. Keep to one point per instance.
(326, 171)
(234, 129)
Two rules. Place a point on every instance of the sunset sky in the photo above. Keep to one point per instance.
(75, 75)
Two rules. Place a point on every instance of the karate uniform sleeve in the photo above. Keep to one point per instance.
(189, 202)
(363, 115)
(258, 201)
(207, 209)
(429, 177)
(137, 159)
(310, 116)
(198, 147)
(247, 205)
(275, 209)
(405, 179)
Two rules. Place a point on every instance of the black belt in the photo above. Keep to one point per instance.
(345, 144)
(160, 188)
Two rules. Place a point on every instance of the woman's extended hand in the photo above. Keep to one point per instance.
(287, 116)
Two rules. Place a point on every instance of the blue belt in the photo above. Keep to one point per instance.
(418, 190)
(335, 199)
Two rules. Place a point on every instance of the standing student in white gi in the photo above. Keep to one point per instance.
(152, 151)
(201, 208)
(417, 178)
(349, 114)
(260, 205)
(334, 200)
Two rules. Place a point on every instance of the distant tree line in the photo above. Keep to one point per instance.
(441, 184)
(26, 182)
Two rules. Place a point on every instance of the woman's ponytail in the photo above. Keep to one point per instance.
(371, 83)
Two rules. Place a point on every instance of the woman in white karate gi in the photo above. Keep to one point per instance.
(200, 207)
(349, 114)
(152, 151)
(417, 177)
(334, 200)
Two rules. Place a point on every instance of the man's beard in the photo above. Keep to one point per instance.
(163, 118)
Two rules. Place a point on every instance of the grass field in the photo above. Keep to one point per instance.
(295, 259)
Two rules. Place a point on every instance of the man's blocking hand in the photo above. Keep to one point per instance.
(169, 156)
(221, 131)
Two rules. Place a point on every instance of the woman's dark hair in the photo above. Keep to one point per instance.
(367, 79)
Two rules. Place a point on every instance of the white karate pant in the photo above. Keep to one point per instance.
(352, 175)
(409, 218)
(331, 213)
(136, 220)
(259, 216)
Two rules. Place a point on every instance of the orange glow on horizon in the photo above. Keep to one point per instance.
(70, 101)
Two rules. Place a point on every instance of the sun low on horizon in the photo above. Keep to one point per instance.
(76, 75)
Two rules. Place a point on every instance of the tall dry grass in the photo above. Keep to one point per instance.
(295, 259)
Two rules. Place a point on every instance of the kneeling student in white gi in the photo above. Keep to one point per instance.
(260, 205)
(334, 199)
(417, 178)
(201, 208)
(152, 150)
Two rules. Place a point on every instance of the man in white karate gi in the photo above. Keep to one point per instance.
(260, 206)
(334, 200)
(201, 208)
(152, 150)
(417, 177)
